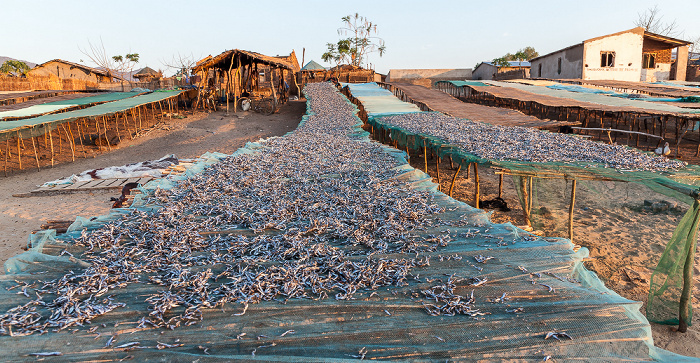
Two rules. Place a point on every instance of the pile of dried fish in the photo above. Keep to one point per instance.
(307, 215)
(526, 144)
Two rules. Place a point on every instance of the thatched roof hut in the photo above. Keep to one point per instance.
(148, 74)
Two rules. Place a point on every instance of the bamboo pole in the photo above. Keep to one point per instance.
(36, 155)
(571, 210)
(454, 178)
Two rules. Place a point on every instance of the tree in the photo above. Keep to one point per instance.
(114, 65)
(358, 45)
(520, 56)
(126, 63)
(652, 21)
(14, 67)
(181, 64)
(526, 53)
(501, 62)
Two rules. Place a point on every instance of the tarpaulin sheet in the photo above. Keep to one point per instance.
(39, 125)
(63, 104)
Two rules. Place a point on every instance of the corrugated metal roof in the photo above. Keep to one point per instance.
(513, 63)
(313, 66)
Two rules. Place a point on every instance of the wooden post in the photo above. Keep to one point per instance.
(437, 171)
(36, 156)
(104, 122)
(571, 210)
(80, 137)
(7, 153)
(425, 156)
(500, 186)
(138, 108)
(70, 142)
(523, 192)
(477, 189)
(51, 141)
(454, 178)
(529, 201)
(19, 153)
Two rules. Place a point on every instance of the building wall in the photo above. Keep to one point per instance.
(662, 72)
(548, 66)
(628, 60)
(66, 71)
(427, 77)
(484, 71)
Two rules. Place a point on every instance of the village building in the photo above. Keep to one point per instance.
(630, 55)
(427, 77)
(69, 70)
(148, 74)
(489, 71)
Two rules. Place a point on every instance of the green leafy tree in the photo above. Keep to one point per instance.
(520, 56)
(14, 66)
(530, 53)
(501, 62)
(361, 41)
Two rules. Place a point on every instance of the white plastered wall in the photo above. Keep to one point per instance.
(628, 57)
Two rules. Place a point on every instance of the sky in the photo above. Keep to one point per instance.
(418, 34)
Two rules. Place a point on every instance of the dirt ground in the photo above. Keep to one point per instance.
(186, 138)
(625, 237)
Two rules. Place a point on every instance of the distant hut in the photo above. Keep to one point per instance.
(148, 74)
(312, 72)
(69, 70)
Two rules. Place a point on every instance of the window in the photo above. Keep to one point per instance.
(607, 59)
(559, 66)
(648, 60)
(539, 70)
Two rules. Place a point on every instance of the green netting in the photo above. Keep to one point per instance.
(595, 98)
(672, 278)
(36, 126)
(63, 104)
(532, 286)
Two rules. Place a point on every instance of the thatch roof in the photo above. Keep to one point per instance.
(147, 72)
(223, 60)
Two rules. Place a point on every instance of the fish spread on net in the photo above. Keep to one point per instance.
(320, 203)
(517, 143)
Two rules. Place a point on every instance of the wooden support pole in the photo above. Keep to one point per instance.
(529, 201)
(80, 137)
(104, 122)
(500, 186)
(7, 153)
(437, 171)
(523, 192)
(70, 142)
(51, 141)
(36, 155)
(19, 153)
(571, 210)
(477, 191)
(425, 156)
(454, 178)
(97, 127)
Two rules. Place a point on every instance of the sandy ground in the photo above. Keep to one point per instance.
(625, 239)
(186, 138)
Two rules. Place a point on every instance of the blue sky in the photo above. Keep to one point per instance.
(418, 34)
